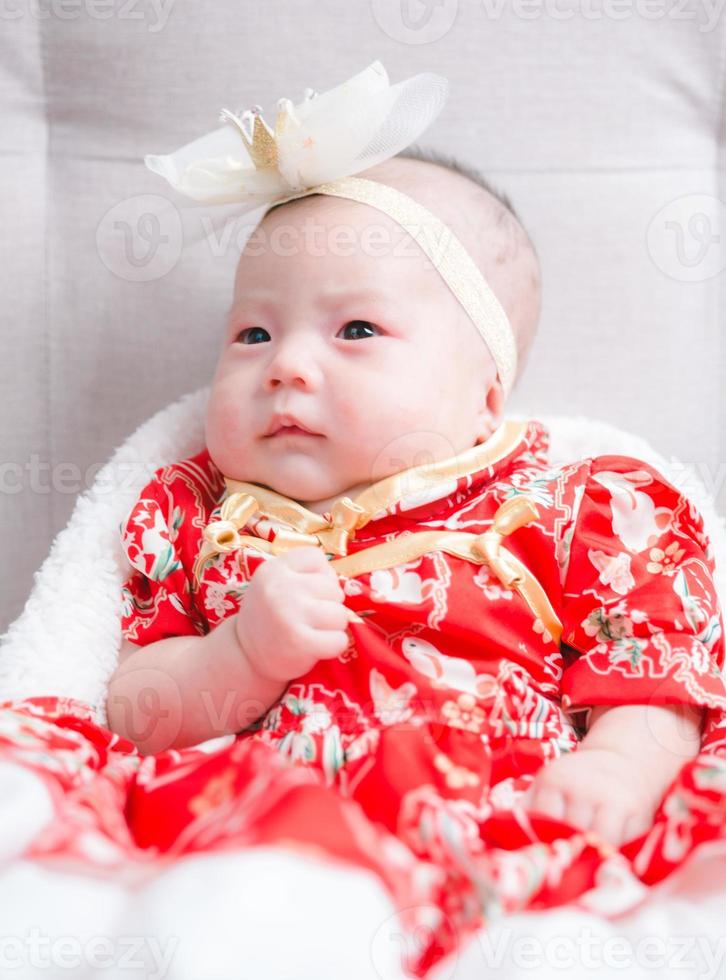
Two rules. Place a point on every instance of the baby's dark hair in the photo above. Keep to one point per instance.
(428, 155)
(452, 163)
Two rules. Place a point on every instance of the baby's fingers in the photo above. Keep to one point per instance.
(636, 825)
(327, 644)
(553, 802)
(327, 614)
(606, 821)
(609, 823)
(581, 813)
(619, 824)
(548, 801)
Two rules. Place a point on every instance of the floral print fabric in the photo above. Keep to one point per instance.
(409, 754)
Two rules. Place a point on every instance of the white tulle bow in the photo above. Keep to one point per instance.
(343, 131)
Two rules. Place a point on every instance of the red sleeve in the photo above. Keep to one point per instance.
(157, 600)
(641, 617)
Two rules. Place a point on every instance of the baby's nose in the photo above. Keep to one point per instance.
(294, 367)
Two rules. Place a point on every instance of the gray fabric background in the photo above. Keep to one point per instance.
(602, 119)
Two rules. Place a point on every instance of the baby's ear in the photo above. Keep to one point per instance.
(491, 411)
(496, 400)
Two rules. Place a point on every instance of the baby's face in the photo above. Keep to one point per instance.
(339, 320)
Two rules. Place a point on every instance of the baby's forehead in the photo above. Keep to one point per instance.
(334, 226)
(322, 233)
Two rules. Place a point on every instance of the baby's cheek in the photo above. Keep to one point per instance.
(223, 420)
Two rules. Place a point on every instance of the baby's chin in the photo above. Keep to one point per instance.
(295, 476)
(313, 493)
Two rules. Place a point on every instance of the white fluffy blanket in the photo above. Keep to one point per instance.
(267, 912)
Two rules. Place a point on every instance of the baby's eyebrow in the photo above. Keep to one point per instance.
(327, 300)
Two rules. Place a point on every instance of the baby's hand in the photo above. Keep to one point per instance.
(601, 790)
(293, 614)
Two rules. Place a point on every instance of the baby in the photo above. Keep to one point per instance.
(395, 586)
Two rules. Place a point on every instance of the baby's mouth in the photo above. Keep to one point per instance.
(283, 424)
(292, 430)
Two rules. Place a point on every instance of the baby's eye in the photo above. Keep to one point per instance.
(246, 332)
(360, 324)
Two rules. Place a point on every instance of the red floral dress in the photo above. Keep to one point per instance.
(410, 753)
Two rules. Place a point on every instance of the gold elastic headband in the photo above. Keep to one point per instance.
(453, 262)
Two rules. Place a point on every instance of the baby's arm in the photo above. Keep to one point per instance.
(185, 689)
(615, 781)
(182, 690)
(664, 736)
(641, 633)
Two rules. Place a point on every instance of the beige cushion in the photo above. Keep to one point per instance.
(593, 126)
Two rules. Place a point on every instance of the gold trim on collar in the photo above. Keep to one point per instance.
(379, 496)
(478, 548)
(338, 526)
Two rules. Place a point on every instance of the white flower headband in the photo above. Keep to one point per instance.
(315, 148)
